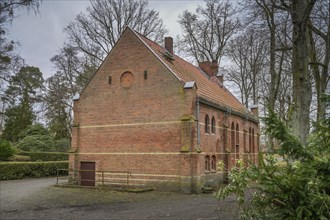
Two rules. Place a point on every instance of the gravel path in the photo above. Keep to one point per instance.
(39, 199)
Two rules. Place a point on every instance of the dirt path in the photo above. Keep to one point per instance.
(38, 199)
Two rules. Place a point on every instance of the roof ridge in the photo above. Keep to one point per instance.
(141, 36)
(185, 71)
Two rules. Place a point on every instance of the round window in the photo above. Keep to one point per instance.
(126, 79)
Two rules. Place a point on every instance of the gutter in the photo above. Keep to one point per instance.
(223, 108)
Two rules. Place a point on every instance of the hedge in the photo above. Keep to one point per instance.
(19, 170)
(45, 156)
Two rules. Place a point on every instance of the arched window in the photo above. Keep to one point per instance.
(207, 124)
(213, 163)
(237, 142)
(244, 141)
(245, 149)
(258, 141)
(224, 139)
(213, 125)
(207, 163)
(250, 140)
(253, 146)
(232, 150)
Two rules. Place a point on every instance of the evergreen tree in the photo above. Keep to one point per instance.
(23, 92)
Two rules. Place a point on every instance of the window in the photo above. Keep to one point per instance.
(233, 146)
(244, 141)
(253, 147)
(213, 125)
(224, 139)
(207, 124)
(245, 149)
(213, 163)
(237, 142)
(250, 140)
(127, 79)
(207, 163)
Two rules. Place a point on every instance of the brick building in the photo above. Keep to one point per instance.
(150, 118)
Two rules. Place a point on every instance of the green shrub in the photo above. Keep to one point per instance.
(36, 143)
(296, 188)
(19, 170)
(6, 150)
(62, 145)
(33, 130)
(45, 156)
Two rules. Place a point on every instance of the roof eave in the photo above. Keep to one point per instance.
(225, 108)
(137, 35)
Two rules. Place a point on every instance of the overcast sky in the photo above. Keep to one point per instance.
(41, 35)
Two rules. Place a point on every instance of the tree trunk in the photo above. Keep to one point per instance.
(302, 89)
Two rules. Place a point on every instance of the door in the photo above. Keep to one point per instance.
(87, 173)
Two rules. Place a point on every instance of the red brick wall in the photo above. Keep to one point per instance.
(132, 124)
(213, 143)
(145, 126)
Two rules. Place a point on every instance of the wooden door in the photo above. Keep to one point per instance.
(87, 173)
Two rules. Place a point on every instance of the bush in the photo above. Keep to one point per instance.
(36, 143)
(33, 130)
(297, 188)
(62, 145)
(37, 138)
(6, 150)
(45, 156)
(19, 170)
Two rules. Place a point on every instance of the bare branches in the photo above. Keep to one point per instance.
(207, 31)
(97, 31)
(248, 54)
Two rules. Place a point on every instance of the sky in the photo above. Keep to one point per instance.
(41, 35)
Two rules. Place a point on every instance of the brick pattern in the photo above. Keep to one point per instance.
(142, 121)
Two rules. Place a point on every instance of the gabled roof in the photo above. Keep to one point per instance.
(207, 89)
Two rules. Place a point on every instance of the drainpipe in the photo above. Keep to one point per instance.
(197, 120)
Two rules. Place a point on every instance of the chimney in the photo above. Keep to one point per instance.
(169, 44)
(210, 69)
(205, 66)
(254, 110)
(220, 78)
(214, 68)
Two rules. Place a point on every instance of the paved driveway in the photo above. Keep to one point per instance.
(39, 199)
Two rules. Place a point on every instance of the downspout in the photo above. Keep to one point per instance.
(197, 121)
(192, 181)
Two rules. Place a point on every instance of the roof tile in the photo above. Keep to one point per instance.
(207, 88)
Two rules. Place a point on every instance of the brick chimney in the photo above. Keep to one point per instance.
(205, 66)
(169, 44)
(254, 110)
(214, 68)
(210, 69)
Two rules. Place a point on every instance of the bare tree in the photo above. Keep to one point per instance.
(207, 31)
(8, 55)
(319, 41)
(72, 74)
(247, 53)
(97, 31)
(300, 12)
(270, 14)
(273, 28)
